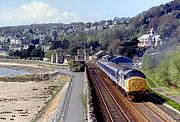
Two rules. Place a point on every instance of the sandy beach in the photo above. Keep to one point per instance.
(23, 101)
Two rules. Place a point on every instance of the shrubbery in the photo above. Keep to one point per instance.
(166, 72)
(169, 70)
(31, 52)
(77, 67)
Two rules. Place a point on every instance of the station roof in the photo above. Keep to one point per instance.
(121, 59)
(111, 57)
(108, 57)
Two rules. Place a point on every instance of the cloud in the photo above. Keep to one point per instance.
(36, 12)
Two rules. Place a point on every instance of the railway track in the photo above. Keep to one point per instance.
(112, 111)
(159, 114)
(151, 113)
(134, 111)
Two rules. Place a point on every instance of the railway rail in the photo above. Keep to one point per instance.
(132, 111)
(154, 110)
(114, 112)
(151, 113)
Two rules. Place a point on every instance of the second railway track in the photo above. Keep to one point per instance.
(113, 112)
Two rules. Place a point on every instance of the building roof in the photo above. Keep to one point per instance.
(121, 59)
(99, 53)
(144, 37)
(152, 30)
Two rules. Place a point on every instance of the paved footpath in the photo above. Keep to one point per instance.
(75, 107)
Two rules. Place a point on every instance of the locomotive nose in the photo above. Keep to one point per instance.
(136, 84)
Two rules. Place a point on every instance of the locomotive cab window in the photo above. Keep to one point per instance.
(125, 76)
(135, 74)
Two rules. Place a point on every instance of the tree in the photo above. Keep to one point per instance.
(35, 41)
(55, 45)
(30, 48)
(147, 62)
(48, 54)
(25, 53)
(17, 53)
(65, 44)
(11, 53)
(130, 48)
(37, 52)
(114, 46)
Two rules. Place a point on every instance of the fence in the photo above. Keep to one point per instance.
(62, 110)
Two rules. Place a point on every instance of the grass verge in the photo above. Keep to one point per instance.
(149, 80)
(168, 101)
(83, 99)
(151, 84)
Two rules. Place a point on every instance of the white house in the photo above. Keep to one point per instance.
(2, 39)
(149, 40)
(3, 53)
(15, 42)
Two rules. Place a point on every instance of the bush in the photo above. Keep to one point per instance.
(164, 69)
(169, 70)
(147, 62)
(77, 67)
(80, 68)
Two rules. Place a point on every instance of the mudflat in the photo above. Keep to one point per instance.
(23, 101)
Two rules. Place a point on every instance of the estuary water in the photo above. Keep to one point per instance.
(10, 72)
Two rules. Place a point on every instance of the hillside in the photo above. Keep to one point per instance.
(165, 18)
(111, 35)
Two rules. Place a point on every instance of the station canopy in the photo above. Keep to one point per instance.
(111, 57)
(122, 60)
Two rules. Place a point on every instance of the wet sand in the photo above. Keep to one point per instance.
(23, 101)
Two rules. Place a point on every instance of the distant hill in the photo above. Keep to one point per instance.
(111, 35)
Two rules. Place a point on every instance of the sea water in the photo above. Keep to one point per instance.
(10, 72)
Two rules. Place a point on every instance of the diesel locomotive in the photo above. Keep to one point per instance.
(131, 81)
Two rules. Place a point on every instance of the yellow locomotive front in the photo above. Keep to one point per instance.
(135, 84)
(135, 87)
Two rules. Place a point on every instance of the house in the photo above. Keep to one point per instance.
(2, 39)
(15, 47)
(24, 46)
(150, 40)
(15, 42)
(3, 52)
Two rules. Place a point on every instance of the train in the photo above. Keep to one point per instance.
(131, 81)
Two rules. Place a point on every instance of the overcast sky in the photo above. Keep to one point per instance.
(19, 12)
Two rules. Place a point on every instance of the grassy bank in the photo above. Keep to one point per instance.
(162, 72)
(151, 83)
(55, 97)
(39, 114)
(28, 77)
(168, 101)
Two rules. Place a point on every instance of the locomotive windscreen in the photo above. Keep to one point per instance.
(134, 73)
